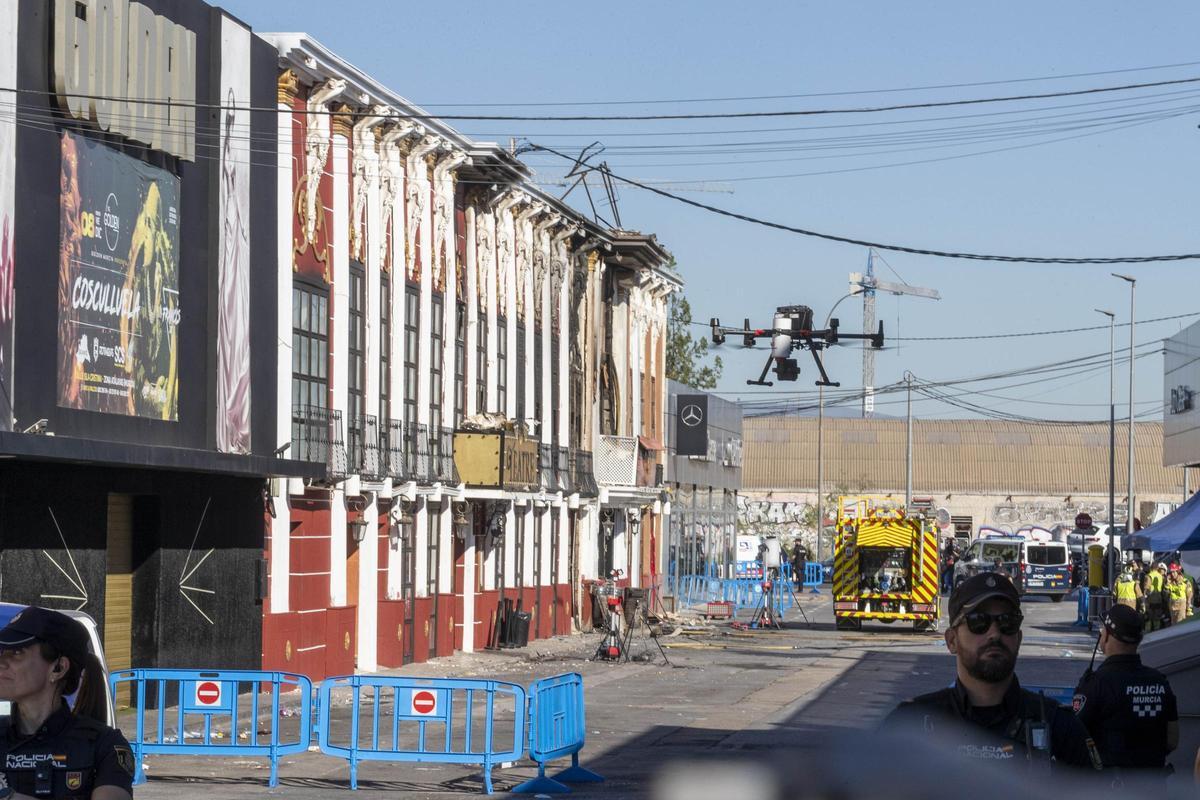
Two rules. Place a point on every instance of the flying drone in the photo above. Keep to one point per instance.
(793, 328)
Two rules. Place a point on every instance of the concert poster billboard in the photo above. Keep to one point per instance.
(118, 286)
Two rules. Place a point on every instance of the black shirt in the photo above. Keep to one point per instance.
(1126, 707)
(1024, 727)
(67, 757)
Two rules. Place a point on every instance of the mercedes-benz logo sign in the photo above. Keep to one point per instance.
(691, 416)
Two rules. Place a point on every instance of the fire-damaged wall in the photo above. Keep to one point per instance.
(193, 561)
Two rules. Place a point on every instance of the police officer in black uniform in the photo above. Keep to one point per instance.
(986, 715)
(50, 749)
(1128, 708)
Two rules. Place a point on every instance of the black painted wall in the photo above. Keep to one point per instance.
(178, 519)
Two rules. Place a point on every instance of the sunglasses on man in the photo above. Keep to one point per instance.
(978, 622)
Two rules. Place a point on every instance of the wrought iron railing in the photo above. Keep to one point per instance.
(444, 470)
(546, 467)
(317, 438)
(395, 450)
(582, 474)
(418, 450)
(562, 464)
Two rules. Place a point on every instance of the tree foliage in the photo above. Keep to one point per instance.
(686, 356)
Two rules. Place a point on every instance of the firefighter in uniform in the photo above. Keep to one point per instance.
(1155, 597)
(1129, 709)
(1128, 590)
(50, 749)
(1177, 596)
(986, 715)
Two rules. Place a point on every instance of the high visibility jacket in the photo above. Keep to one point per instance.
(1156, 581)
(1126, 589)
(1177, 591)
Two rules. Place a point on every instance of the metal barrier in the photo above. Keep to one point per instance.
(214, 698)
(556, 729)
(1063, 695)
(464, 714)
(813, 574)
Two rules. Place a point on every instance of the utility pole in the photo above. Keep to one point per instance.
(908, 448)
(1112, 447)
(1132, 328)
(867, 285)
(868, 353)
(821, 469)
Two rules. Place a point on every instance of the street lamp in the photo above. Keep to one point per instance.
(1132, 327)
(1112, 445)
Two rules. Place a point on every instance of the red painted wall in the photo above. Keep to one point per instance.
(390, 633)
(341, 643)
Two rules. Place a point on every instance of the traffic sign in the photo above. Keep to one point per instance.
(1083, 520)
(424, 703)
(208, 694)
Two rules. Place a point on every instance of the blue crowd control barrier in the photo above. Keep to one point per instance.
(439, 720)
(813, 574)
(1081, 610)
(1063, 695)
(556, 729)
(214, 699)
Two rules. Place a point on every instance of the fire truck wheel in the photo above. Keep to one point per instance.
(922, 625)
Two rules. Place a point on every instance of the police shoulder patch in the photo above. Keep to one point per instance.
(74, 780)
(1095, 754)
(125, 759)
(1078, 702)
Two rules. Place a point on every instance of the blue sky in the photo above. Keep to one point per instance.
(1111, 192)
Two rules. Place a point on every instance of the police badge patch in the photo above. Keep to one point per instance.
(125, 760)
(1078, 702)
(74, 780)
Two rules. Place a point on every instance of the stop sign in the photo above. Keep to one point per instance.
(208, 693)
(424, 703)
(1083, 520)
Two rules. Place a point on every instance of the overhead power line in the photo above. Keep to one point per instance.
(848, 93)
(810, 112)
(884, 246)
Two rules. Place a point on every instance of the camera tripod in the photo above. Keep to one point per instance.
(770, 606)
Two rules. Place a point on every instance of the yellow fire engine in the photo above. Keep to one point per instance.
(885, 566)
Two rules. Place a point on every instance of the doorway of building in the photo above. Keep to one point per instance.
(118, 589)
(433, 583)
(408, 588)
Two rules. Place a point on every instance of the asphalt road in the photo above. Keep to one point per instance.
(727, 702)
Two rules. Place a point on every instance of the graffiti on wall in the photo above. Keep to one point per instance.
(1048, 512)
(752, 512)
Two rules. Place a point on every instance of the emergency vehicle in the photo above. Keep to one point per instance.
(885, 566)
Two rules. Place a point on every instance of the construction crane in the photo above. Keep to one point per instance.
(867, 285)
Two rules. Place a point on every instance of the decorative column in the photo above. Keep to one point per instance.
(340, 330)
(281, 523)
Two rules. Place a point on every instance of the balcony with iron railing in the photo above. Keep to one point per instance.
(395, 449)
(419, 450)
(562, 470)
(582, 477)
(317, 438)
(546, 467)
(442, 459)
(363, 447)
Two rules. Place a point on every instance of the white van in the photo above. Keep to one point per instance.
(1035, 567)
(10, 610)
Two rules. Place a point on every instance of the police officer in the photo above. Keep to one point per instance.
(986, 715)
(1128, 708)
(50, 749)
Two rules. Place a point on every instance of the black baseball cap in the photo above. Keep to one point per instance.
(34, 624)
(1124, 623)
(974, 590)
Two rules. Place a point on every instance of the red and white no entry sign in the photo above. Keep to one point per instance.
(424, 703)
(208, 693)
